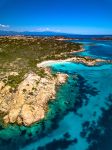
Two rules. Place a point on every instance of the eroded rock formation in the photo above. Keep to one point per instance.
(28, 104)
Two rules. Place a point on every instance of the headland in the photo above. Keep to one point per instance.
(26, 82)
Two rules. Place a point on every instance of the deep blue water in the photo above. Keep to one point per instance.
(81, 116)
(96, 49)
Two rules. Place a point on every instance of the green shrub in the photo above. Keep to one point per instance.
(13, 81)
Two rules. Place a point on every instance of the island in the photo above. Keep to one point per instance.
(27, 83)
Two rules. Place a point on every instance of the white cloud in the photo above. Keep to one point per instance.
(41, 29)
(45, 29)
(4, 26)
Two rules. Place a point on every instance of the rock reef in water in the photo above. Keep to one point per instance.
(28, 104)
(87, 60)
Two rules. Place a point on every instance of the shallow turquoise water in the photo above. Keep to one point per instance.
(79, 119)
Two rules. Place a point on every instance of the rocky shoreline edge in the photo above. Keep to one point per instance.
(28, 104)
(76, 59)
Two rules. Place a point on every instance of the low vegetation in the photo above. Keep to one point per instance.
(21, 54)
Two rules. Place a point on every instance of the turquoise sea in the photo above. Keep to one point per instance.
(81, 116)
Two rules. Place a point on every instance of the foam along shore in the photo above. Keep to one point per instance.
(85, 60)
(29, 103)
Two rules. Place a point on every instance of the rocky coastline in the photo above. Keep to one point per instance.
(28, 104)
(76, 59)
(24, 97)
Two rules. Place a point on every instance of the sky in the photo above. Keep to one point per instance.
(70, 16)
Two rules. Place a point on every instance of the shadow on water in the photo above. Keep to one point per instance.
(85, 90)
(62, 144)
(99, 135)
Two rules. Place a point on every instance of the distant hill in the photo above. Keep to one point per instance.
(2, 32)
(27, 33)
(50, 33)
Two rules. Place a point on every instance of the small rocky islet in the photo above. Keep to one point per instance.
(27, 84)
